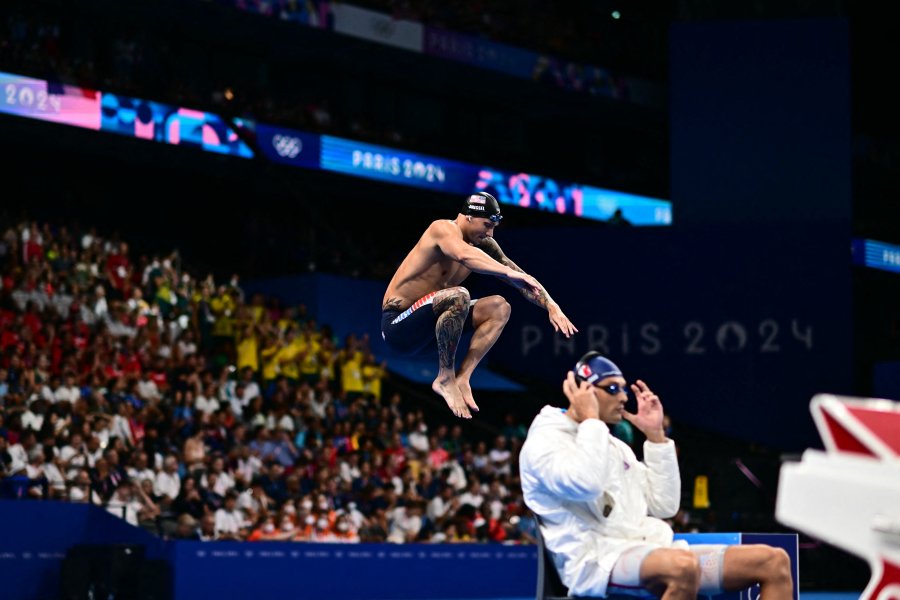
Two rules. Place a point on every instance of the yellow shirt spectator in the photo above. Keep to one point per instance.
(248, 351)
(309, 364)
(223, 307)
(351, 373)
(287, 359)
(256, 313)
(285, 323)
(269, 356)
(327, 360)
(372, 374)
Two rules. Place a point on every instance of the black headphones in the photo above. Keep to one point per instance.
(583, 361)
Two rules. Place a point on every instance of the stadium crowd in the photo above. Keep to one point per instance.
(186, 408)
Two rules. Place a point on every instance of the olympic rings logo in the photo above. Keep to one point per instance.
(287, 146)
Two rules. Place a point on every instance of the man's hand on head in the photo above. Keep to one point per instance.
(582, 402)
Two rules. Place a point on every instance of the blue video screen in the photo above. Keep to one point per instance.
(170, 124)
(396, 166)
(524, 190)
(544, 193)
(876, 255)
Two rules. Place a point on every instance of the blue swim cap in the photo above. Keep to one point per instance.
(593, 366)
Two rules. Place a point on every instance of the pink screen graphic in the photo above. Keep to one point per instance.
(57, 103)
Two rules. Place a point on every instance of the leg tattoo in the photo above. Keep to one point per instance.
(453, 309)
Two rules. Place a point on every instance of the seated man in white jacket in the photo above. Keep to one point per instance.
(600, 509)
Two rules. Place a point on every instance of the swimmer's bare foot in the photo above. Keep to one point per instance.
(466, 391)
(445, 385)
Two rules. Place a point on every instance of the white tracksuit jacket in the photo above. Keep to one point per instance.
(594, 497)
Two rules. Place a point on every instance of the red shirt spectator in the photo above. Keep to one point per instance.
(130, 363)
(33, 251)
(438, 454)
(7, 317)
(117, 267)
(33, 321)
(8, 338)
(160, 379)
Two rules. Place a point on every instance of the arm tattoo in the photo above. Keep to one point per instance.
(492, 249)
(452, 310)
(541, 297)
(393, 304)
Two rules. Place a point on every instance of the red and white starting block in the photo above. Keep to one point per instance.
(849, 495)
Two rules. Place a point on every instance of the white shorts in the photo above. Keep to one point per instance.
(626, 573)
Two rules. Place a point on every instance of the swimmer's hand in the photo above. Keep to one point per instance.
(560, 321)
(535, 292)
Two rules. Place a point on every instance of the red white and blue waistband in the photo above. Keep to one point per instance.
(423, 301)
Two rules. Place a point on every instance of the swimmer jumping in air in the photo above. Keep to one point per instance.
(424, 301)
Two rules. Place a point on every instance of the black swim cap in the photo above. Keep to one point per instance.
(482, 204)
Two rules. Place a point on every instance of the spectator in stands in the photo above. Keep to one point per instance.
(74, 455)
(345, 531)
(248, 348)
(230, 523)
(421, 304)
(472, 496)
(186, 529)
(53, 472)
(444, 504)
(223, 479)
(67, 391)
(189, 500)
(372, 374)
(283, 449)
(512, 429)
(80, 489)
(208, 528)
(103, 482)
(205, 403)
(194, 450)
(212, 499)
(168, 481)
(500, 457)
(6, 461)
(350, 364)
(124, 503)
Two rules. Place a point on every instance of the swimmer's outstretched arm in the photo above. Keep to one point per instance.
(447, 239)
(534, 293)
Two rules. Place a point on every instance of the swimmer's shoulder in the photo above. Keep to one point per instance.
(438, 233)
(442, 227)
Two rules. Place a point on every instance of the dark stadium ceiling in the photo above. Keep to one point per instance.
(631, 36)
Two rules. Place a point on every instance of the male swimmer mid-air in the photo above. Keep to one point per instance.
(424, 301)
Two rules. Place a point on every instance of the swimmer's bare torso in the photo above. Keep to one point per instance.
(426, 268)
